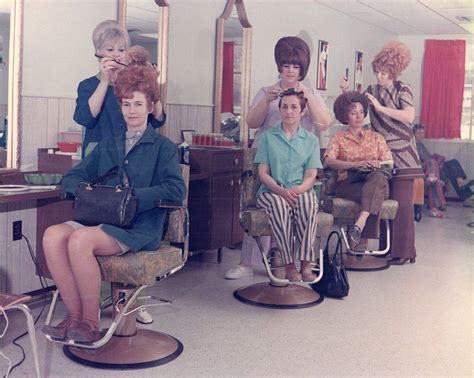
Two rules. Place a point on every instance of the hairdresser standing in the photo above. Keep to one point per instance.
(97, 107)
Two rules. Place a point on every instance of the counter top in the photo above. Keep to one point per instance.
(29, 195)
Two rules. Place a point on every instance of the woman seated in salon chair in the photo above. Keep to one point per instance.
(288, 159)
(358, 147)
(151, 163)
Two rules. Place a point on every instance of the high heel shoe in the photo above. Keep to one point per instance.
(399, 261)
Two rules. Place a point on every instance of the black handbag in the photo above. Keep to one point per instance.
(103, 204)
(334, 282)
(361, 174)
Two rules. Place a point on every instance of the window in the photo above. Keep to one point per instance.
(467, 126)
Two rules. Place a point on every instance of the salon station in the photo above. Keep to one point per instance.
(214, 298)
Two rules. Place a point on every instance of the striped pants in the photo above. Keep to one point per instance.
(287, 222)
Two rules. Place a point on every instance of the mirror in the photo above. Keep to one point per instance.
(10, 67)
(147, 24)
(232, 72)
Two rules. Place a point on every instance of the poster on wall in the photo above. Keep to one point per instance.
(322, 74)
(358, 71)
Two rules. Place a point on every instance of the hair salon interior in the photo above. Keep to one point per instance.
(208, 315)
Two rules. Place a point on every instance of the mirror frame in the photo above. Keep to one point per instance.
(14, 87)
(246, 60)
(162, 61)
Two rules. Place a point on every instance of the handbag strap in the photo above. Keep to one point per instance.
(338, 249)
(119, 171)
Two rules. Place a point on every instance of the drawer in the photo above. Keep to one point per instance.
(228, 161)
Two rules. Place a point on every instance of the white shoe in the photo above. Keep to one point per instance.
(239, 271)
(144, 317)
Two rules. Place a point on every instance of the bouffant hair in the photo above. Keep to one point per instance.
(293, 92)
(345, 102)
(293, 50)
(138, 56)
(107, 32)
(393, 59)
(137, 79)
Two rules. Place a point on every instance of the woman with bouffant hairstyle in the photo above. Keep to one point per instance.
(392, 114)
(151, 163)
(356, 147)
(292, 58)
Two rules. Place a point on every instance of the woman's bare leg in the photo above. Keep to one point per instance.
(83, 247)
(55, 245)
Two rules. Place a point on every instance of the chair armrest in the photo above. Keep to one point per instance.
(169, 204)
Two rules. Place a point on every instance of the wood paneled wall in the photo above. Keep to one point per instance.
(17, 271)
(188, 117)
(41, 121)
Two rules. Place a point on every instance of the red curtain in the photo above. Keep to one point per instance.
(443, 88)
(227, 100)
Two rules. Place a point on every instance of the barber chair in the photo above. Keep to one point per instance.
(344, 212)
(123, 345)
(278, 293)
(17, 302)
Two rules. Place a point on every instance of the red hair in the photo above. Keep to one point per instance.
(138, 56)
(137, 79)
(393, 59)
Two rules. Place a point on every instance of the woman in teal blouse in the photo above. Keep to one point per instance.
(288, 159)
(151, 163)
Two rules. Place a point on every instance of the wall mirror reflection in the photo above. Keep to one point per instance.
(10, 48)
(147, 24)
(232, 72)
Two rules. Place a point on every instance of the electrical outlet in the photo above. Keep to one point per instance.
(17, 230)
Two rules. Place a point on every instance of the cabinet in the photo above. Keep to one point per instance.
(214, 197)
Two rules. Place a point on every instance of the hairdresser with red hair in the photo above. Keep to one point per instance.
(392, 114)
(151, 163)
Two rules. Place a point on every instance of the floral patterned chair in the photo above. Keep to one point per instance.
(124, 346)
(344, 212)
(278, 293)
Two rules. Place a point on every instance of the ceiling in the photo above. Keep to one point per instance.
(408, 17)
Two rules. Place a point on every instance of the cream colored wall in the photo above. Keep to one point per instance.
(58, 50)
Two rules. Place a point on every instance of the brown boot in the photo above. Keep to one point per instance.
(59, 331)
(276, 264)
(84, 333)
(291, 273)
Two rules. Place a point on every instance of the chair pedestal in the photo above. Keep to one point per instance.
(146, 348)
(364, 263)
(284, 297)
(129, 347)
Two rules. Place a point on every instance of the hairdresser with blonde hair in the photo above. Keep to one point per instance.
(96, 104)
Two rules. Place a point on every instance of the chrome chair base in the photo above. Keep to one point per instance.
(283, 297)
(364, 263)
(147, 348)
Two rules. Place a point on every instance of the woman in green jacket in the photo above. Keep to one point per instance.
(151, 163)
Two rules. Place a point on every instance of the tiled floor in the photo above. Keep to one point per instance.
(407, 320)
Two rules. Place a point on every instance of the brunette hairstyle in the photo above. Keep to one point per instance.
(293, 92)
(293, 50)
(393, 59)
(138, 56)
(109, 31)
(137, 79)
(345, 102)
